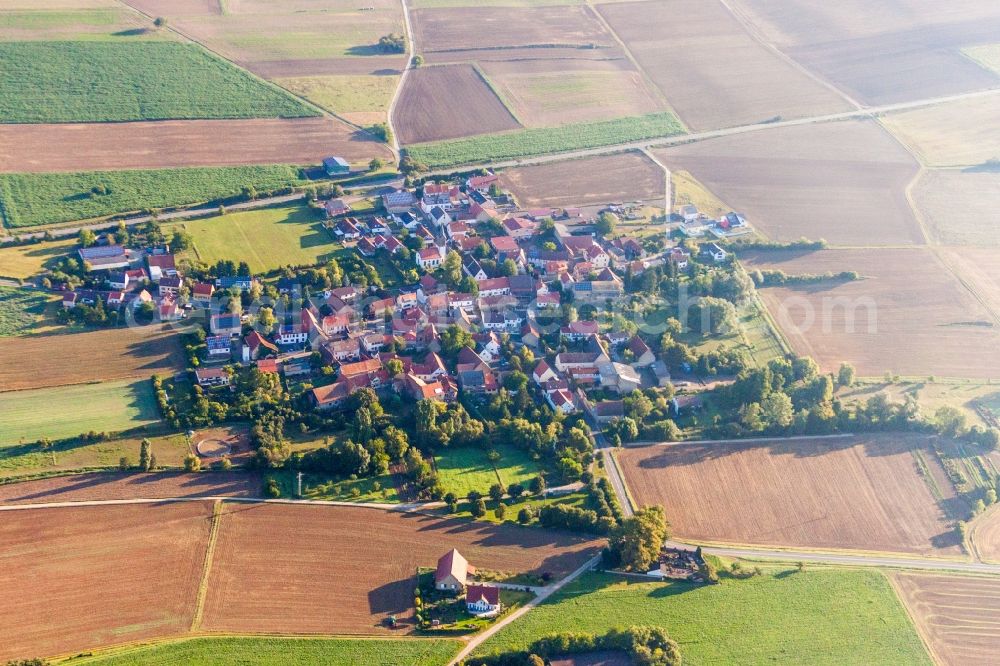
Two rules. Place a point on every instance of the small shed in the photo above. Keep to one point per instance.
(336, 166)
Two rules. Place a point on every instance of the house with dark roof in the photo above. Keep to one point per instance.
(482, 600)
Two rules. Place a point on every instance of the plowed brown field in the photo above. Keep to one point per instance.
(861, 493)
(986, 536)
(958, 616)
(161, 485)
(180, 143)
(303, 569)
(591, 180)
(84, 577)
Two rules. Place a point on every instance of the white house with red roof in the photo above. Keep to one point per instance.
(482, 600)
(429, 258)
(452, 572)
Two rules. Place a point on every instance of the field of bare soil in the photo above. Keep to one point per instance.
(961, 133)
(908, 314)
(860, 493)
(957, 204)
(588, 181)
(986, 536)
(83, 577)
(979, 269)
(181, 143)
(311, 569)
(425, 112)
(112, 486)
(844, 182)
(76, 358)
(957, 616)
(685, 46)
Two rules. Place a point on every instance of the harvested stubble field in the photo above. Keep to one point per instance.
(844, 181)
(358, 98)
(960, 133)
(909, 314)
(986, 536)
(979, 269)
(591, 180)
(75, 358)
(959, 207)
(84, 577)
(958, 616)
(858, 493)
(680, 46)
(123, 486)
(883, 52)
(181, 143)
(423, 113)
(344, 570)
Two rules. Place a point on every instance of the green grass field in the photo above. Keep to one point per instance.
(344, 93)
(23, 261)
(537, 141)
(267, 238)
(463, 469)
(819, 616)
(67, 411)
(31, 199)
(130, 80)
(247, 651)
(21, 310)
(332, 489)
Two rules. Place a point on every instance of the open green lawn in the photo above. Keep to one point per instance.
(537, 141)
(246, 651)
(79, 81)
(819, 616)
(267, 238)
(463, 469)
(332, 489)
(30, 199)
(67, 411)
(21, 310)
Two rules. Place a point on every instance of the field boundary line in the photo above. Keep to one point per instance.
(213, 536)
(481, 73)
(901, 598)
(410, 53)
(970, 537)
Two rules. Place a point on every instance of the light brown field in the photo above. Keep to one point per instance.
(861, 493)
(844, 182)
(115, 486)
(70, 21)
(84, 577)
(710, 69)
(883, 52)
(587, 181)
(344, 570)
(957, 616)
(544, 93)
(959, 207)
(909, 314)
(429, 110)
(979, 268)
(986, 536)
(569, 56)
(76, 358)
(959, 133)
(180, 143)
(688, 190)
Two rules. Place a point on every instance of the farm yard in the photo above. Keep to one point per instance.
(954, 204)
(818, 616)
(591, 180)
(844, 182)
(940, 141)
(958, 616)
(947, 330)
(94, 356)
(857, 493)
(758, 86)
(424, 114)
(182, 143)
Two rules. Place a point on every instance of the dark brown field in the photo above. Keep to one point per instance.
(710, 69)
(76, 358)
(592, 180)
(844, 182)
(863, 493)
(181, 143)
(84, 577)
(110, 486)
(313, 569)
(448, 102)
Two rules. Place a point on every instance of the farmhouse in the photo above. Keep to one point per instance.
(335, 207)
(482, 600)
(105, 258)
(212, 377)
(452, 572)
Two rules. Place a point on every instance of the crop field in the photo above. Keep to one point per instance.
(31, 199)
(543, 93)
(466, 469)
(360, 98)
(933, 133)
(83, 577)
(955, 203)
(539, 141)
(423, 113)
(71, 410)
(118, 486)
(819, 616)
(979, 268)
(116, 81)
(182, 143)
(94, 356)
(677, 44)
(267, 238)
(327, 580)
(100, 20)
(859, 493)
(958, 616)
(20, 310)
(19, 262)
(882, 52)
(986, 536)
(887, 321)
(263, 651)
(844, 182)
(601, 179)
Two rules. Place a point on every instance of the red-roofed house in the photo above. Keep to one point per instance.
(452, 572)
(482, 600)
(482, 183)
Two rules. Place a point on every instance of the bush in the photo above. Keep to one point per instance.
(192, 463)
(271, 488)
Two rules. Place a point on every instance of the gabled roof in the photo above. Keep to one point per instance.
(487, 593)
(452, 564)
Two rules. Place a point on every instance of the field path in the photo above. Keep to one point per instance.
(411, 52)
